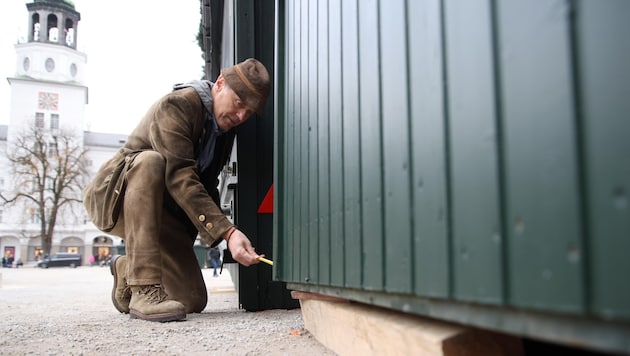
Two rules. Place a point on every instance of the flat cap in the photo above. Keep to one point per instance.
(250, 81)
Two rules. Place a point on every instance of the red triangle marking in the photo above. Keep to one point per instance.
(266, 207)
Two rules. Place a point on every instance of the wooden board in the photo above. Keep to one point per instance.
(358, 329)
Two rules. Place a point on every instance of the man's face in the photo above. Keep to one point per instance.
(229, 110)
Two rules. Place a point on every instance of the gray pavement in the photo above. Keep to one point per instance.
(65, 311)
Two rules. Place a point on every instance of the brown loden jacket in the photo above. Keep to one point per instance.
(174, 127)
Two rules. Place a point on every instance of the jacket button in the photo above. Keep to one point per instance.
(127, 159)
(202, 218)
(209, 226)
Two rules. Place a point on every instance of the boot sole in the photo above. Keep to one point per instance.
(112, 269)
(134, 314)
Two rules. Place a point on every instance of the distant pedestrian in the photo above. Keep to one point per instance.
(215, 259)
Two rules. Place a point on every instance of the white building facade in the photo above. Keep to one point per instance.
(48, 91)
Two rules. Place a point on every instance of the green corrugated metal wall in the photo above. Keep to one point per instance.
(473, 151)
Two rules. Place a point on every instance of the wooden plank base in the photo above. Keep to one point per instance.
(358, 329)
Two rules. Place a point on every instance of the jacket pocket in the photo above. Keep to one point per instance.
(103, 197)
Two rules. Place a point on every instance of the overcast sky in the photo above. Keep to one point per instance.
(136, 50)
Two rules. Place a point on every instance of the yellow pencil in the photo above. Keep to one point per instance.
(262, 259)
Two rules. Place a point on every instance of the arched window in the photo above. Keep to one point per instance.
(69, 32)
(36, 27)
(53, 30)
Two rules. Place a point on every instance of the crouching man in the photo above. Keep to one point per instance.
(160, 190)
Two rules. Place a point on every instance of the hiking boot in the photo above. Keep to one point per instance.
(121, 294)
(150, 303)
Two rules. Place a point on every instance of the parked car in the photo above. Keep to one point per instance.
(60, 260)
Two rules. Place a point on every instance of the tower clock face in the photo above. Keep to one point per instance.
(50, 64)
(26, 64)
(48, 101)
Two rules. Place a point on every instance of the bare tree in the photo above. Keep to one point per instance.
(49, 168)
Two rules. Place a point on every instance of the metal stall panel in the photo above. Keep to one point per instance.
(335, 132)
(395, 145)
(313, 143)
(303, 213)
(604, 72)
(478, 239)
(439, 154)
(544, 235)
(351, 146)
(324, 182)
(429, 190)
(372, 233)
(304, 144)
(290, 260)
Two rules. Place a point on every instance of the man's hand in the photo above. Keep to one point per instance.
(242, 250)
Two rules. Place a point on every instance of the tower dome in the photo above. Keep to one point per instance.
(50, 52)
(53, 21)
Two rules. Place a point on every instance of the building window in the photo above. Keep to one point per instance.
(52, 149)
(37, 148)
(54, 121)
(69, 31)
(39, 120)
(36, 27)
(50, 64)
(33, 216)
(53, 31)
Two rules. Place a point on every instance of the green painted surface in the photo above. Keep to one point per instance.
(540, 158)
(304, 147)
(290, 256)
(313, 144)
(432, 267)
(335, 95)
(473, 146)
(604, 72)
(351, 147)
(371, 148)
(469, 151)
(396, 155)
(323, 154)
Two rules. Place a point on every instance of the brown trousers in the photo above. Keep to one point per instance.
(158, 248)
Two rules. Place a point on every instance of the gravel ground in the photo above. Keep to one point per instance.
(65, 311)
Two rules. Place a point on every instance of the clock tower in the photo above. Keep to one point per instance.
(47, 89)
